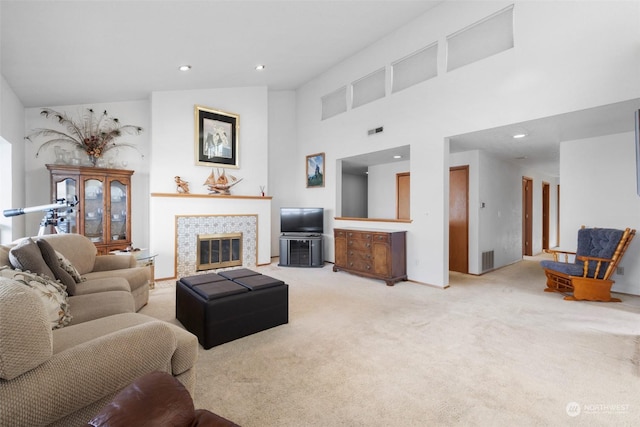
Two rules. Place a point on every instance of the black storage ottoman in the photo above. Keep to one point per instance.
(218, 310)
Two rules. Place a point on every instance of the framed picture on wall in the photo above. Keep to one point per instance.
(216, 138)
(315, 170)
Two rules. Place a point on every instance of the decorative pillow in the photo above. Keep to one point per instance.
(69, 268)
(50, 257)
(52, 294)
(27, 257)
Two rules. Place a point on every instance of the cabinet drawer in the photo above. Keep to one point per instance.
(356, 235)
(381, 238)
(359, 256)
(359, 265)
(339, 233)
(359, 245)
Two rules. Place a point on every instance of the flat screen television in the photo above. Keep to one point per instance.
(302, 220)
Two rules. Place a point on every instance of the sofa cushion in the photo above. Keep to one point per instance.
(66, 265)
(27, 256)
(25, 325)
(50, 257)
(4, 255)
(52, 294)
(78, 249)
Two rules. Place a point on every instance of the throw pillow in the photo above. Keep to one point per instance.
(27, 257)
(51, 293)
(50, 257)
(69, 268)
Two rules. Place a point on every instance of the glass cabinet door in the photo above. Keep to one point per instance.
(67, 220)
(119, 209)
(94, 210)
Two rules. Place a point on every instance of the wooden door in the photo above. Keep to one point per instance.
(527, 214)
(403, 195)
(545, 215)
(558, 215)
(459, 219)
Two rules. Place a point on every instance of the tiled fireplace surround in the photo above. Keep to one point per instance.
(177, 219)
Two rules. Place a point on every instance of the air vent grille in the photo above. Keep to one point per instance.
(487, 260)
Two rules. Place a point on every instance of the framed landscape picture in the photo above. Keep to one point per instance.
(216, 138)
(315, 170)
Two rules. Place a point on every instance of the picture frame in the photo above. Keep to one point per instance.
(216, 138)
(315, 170)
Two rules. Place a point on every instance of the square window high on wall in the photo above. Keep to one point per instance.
(415, 68)
(334, 103)
(491, 35)
(369, 88)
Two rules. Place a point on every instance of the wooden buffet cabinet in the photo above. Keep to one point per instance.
(103, 212)
(380, 254)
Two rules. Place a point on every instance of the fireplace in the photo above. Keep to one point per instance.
(218, 251)
(189, 228)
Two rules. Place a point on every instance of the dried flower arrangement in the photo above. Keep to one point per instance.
(94, 133)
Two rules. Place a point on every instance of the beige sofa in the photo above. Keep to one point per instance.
(65, 376)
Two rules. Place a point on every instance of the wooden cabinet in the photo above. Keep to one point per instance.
(103, 213)
(378, 254)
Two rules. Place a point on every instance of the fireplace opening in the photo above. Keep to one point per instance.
(218, 251)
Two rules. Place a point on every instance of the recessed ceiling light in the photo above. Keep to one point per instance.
(397, 157)
(260, 67)
(519, 135)
(184, 67)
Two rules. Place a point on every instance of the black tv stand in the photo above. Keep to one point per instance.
(301, 250)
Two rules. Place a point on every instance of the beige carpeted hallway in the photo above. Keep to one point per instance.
(492, 350)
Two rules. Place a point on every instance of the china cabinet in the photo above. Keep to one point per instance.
(103, 212)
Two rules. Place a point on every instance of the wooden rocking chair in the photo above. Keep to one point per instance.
(596, 259)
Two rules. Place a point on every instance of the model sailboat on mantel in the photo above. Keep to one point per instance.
(220, 184)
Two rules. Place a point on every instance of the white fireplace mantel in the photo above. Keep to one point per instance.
(165, 207)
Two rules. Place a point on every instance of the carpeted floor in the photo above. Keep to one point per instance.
(489, 350)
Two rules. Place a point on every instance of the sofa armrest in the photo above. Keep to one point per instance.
(114, 262)
(86, 373)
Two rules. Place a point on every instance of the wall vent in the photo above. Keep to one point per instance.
(487, 260)
(374, 131)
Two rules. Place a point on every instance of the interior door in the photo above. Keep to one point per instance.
(527, 216)
(545, 215)
(403, 194)
(459, 219)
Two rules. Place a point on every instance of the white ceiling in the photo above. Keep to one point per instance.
(66, 52)
(81, 52)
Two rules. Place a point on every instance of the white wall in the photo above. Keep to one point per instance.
(12, 131)
(599, 190)
(36, 176)
(355, 200)
(282, 146)
(382, 189)
(559, 64)
(173, 150)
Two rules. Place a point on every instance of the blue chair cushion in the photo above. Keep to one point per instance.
(593, 242)
(563, 267)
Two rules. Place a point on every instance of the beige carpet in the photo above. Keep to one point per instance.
(492, 350)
